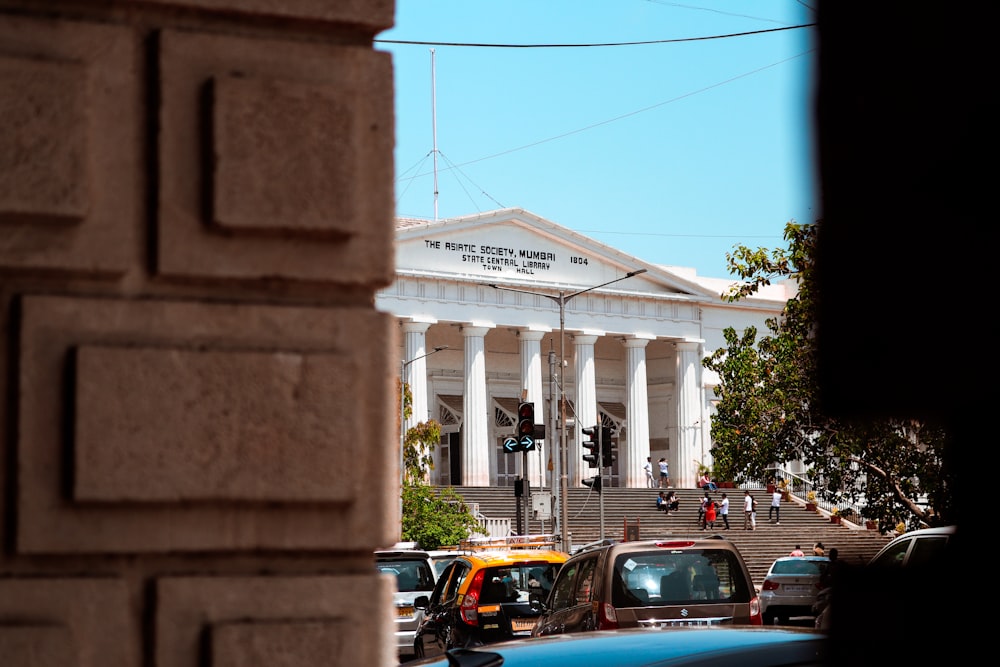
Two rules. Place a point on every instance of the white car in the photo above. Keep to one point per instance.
(790, 587)
(415, 575)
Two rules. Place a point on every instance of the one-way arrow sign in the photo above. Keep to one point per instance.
(509, 445)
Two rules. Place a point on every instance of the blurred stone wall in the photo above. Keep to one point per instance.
(198, 452)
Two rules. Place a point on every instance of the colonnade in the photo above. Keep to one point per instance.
(689, 401)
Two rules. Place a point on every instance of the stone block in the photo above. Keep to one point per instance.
(294, 180)
(276, 643)
(174, 425)
(232, 379)
(250, 619)
(67, 622)
(71, 178)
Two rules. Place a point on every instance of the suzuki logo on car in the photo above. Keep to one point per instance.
(684, 613)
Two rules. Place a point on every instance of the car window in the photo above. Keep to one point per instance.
(927, 549)
(893, 555)
(510, 583)
(585, 577)
(563, 590)
(411, 575)
(802, 567)
(664, 576)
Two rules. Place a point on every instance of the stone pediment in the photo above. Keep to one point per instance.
(513, 246)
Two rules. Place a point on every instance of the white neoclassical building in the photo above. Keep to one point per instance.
(507, 297)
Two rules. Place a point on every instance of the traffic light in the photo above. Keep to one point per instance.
(526, 425)
(607, 454)
(593, 482)
(591, 445)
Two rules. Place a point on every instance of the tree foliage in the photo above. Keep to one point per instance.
(769, 412)
(431, 518)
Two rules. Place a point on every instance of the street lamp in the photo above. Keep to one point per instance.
(564, 463)
(402, 421)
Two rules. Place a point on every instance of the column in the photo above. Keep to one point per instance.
(415, 369)
(531, 382)
(476, 448)
(585, 399)
(684, 470)
(637, 416)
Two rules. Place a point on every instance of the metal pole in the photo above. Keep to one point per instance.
(553, 421)
(600, 468)
(567, 542)
(564, 472)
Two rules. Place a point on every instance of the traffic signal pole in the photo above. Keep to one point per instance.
(600, 471)
(561, 299)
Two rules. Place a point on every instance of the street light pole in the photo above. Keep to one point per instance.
(402, 422)
(563, 455)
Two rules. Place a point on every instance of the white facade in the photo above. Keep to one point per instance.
(490, 286)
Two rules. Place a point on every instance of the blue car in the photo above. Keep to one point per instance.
(697, 646)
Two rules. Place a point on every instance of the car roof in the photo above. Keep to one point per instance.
(668, 541)
(607, 647)
(401, 553)
(909, 535)
(493, 558)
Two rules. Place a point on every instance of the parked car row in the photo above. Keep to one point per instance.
(486, 594)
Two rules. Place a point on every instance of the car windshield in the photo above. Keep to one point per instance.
(800, 567)
(665, 576)
(517, 583)
(411, 575)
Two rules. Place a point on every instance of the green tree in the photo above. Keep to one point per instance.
(431, 517)
(769, 406)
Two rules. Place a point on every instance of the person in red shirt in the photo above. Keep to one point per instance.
(797, 551)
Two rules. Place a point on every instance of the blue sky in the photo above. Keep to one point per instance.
(671, 152)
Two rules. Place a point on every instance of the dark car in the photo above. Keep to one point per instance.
(486, 595)
(705, 646)
(674, 581)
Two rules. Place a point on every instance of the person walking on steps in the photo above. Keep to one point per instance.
(775, 508)
(648, 468)
(747, 510)
(797, 551)
(724, 510)
(702, 506)
(709, 514)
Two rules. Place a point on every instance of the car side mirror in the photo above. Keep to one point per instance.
(421, 602)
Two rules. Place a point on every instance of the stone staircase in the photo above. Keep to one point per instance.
(638, 506)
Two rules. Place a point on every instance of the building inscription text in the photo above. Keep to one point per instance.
(499, 258)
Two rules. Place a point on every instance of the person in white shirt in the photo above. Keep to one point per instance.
(664, 473)
(724, 510)
(648, 467)
(775, 508)
(747, 511)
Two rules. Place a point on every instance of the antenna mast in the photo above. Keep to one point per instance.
(435, 134)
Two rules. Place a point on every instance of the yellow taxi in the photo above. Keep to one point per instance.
(486, 593)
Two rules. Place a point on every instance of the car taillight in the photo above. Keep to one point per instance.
(755, 617)
(470, 603)
(607, 617)
(769, 585)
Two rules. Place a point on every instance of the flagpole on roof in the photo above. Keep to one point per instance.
(435, 135)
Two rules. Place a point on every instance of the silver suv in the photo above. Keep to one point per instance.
(673, 581)
(414, 573)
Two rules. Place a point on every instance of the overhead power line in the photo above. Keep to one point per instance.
(577, 46)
